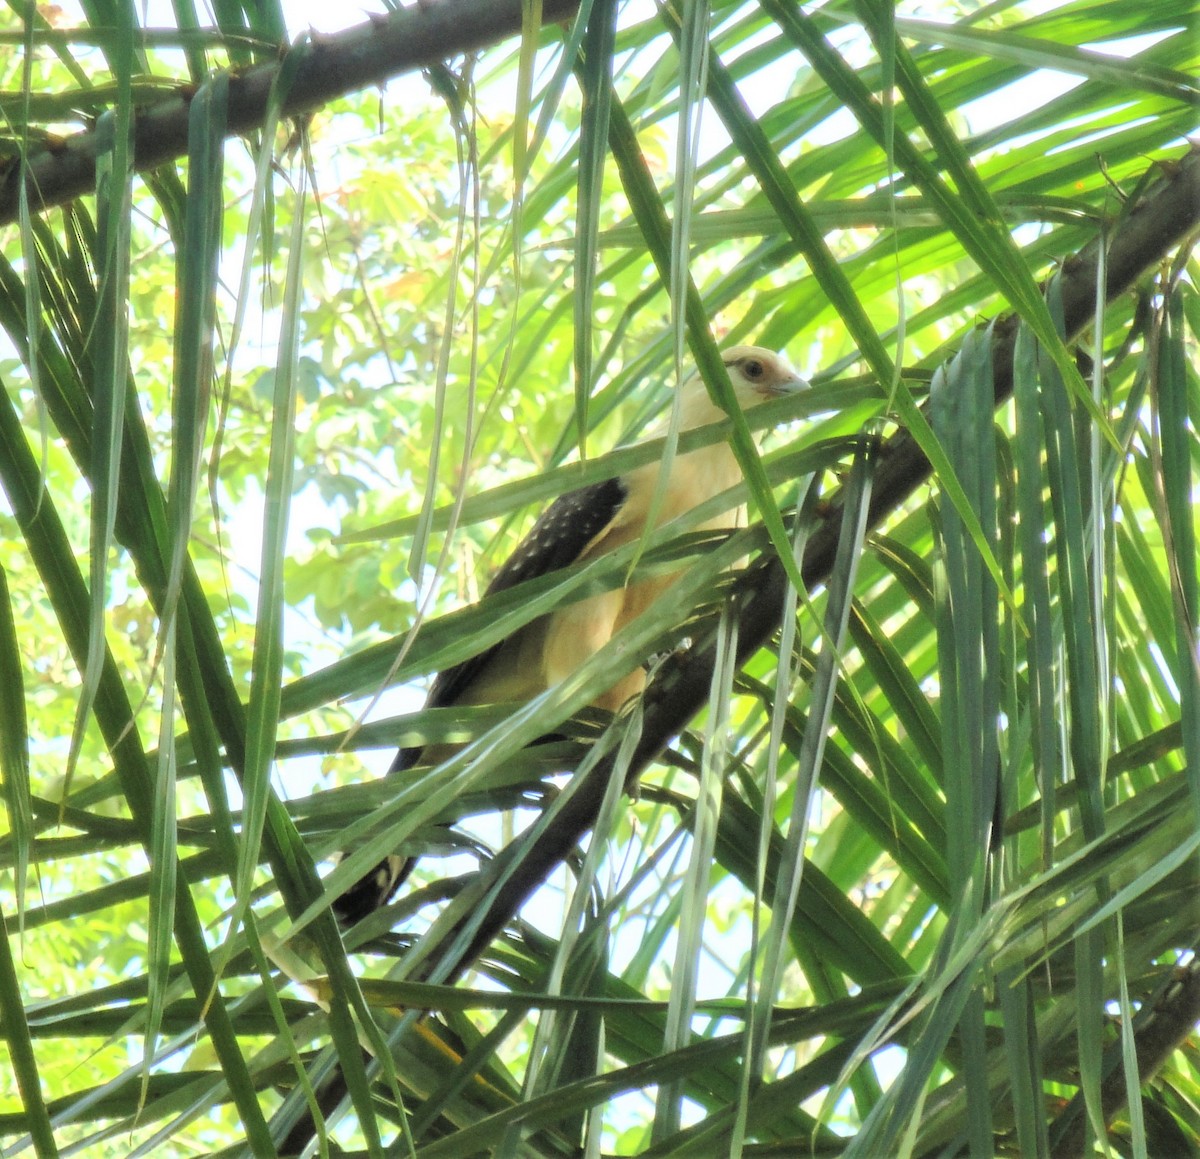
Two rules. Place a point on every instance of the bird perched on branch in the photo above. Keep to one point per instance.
(577, 527)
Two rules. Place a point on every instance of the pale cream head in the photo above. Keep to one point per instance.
(757, 374)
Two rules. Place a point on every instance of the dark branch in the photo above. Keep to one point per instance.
(1168, 213)
(326, 67)
(1159, 1029)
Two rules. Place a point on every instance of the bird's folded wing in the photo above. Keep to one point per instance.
(562, 534)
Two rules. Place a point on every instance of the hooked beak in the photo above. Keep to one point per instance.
(789, 383)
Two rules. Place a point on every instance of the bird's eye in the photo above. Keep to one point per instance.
(753, 369)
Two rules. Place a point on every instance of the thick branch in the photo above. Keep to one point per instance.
(1159, 1030)
(325, 67)
(1168, 213)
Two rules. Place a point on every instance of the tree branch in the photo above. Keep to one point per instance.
(1159, 1028)
(1167, 214)
(322, 69)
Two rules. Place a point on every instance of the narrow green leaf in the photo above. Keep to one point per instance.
(595, 78)
(1179, 471)
(111, 339)
(36, 1119)
(1021, 1048)
(14, 751)
(262, 710)
(694, 895)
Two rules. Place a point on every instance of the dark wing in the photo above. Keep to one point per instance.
(373, 889)
(555, 541)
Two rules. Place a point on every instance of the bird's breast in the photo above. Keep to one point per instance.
(576, 632)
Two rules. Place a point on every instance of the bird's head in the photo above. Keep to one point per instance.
(758, 374)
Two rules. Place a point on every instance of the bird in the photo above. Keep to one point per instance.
(577, 527)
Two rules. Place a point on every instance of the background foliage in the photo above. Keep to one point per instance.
(272, 413)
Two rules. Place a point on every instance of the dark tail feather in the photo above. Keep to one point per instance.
(377, 888)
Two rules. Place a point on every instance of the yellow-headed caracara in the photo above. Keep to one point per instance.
(577, 527)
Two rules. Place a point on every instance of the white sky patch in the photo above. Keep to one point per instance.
(1017, 100)
(321, 16)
